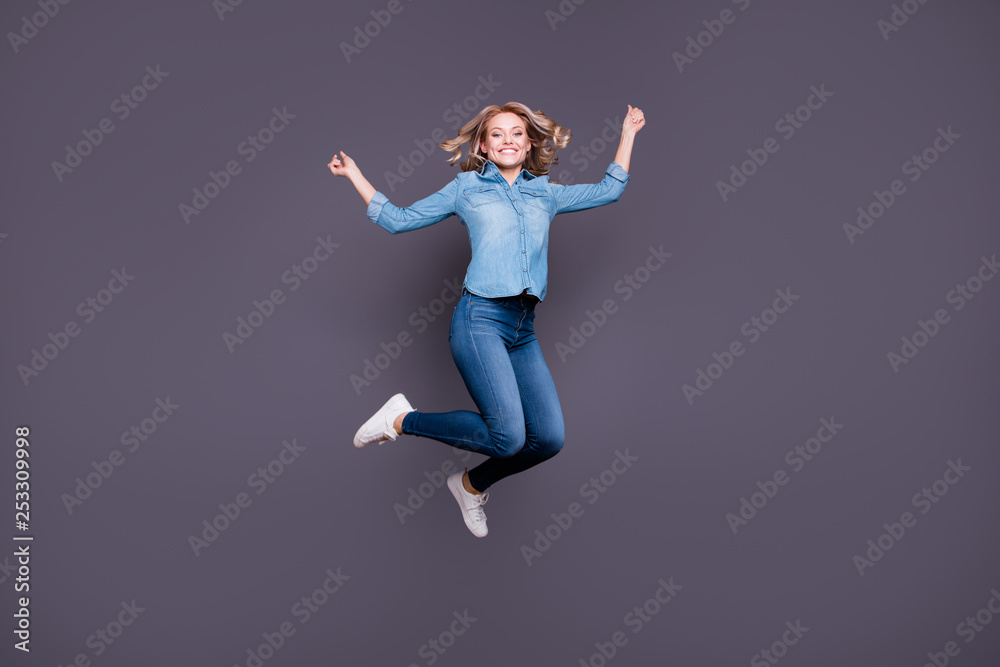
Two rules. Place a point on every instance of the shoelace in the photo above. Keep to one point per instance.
(478, 515)
(389, 433)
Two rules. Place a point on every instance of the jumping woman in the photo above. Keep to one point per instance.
(505, 200)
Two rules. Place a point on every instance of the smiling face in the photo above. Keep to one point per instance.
(506, 142)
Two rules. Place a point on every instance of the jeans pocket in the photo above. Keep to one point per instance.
(487, 315)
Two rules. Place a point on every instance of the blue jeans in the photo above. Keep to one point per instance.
(520, 422)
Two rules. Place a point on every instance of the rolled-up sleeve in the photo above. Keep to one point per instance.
(422, 213)
(588, 195)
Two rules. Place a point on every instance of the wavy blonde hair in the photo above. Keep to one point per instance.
(545, 135)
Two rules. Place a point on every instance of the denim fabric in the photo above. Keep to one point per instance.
(520, 422)
(508, 224)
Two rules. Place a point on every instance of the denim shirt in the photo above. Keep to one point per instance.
(508, 224)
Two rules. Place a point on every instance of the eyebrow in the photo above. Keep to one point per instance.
(513, 127)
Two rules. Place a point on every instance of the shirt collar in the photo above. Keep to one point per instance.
(490, 169)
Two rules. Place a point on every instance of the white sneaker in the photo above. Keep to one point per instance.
(471, 504)
(379, 427)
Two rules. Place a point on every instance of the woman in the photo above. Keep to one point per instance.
(505, 199)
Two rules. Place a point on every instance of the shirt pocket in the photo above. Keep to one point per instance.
(481, 196)
(540, 199)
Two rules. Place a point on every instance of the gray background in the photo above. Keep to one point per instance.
(334, 505)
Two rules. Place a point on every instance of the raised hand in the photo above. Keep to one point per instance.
(634, 120)
(342, 165)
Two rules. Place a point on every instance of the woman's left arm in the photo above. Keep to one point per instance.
(634, 121)
(588, 195)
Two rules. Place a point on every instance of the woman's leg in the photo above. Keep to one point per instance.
(544, 426)
(481, 332)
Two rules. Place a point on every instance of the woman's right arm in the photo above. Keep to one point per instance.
(395, 219)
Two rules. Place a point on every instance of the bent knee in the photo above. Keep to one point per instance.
(550, 440)
(504, 442)
(551, 446)
(508, 447)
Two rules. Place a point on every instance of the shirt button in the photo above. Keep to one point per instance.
(522, 252)
(525, 270)
(520, 213)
